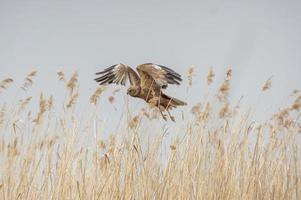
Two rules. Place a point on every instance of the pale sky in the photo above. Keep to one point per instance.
(258, 39)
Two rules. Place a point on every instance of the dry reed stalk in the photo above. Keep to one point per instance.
(209, 158)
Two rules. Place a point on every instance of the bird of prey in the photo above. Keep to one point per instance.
(147, 85)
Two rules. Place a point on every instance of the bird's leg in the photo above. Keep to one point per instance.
(171, 117)
(159, 102)
(162, 114)
(298, 119)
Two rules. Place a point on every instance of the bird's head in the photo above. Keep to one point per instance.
(133, 91)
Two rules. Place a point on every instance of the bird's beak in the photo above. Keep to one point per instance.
(127, 92)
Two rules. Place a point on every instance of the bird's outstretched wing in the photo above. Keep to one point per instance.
(118, 74)
(157, 74)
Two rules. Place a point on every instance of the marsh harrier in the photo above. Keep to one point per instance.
(147, 85)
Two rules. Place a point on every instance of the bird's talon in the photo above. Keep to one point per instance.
(172, 118)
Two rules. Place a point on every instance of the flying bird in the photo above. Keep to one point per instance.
(147, 84)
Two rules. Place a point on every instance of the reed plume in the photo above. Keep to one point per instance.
(267, 85)
(95, 96)
(224, 89)
(29, 80)
(213, 154)
(210, 76)
(42, 110)
(4, 84)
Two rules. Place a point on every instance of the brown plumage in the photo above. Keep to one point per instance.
(147, 85)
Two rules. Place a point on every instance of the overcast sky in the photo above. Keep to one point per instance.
(258, 39)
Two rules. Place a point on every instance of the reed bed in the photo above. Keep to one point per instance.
(220, 153)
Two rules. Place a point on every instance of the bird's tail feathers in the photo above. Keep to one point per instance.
(173, 102)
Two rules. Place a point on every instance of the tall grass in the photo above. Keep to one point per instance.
(220, 154)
